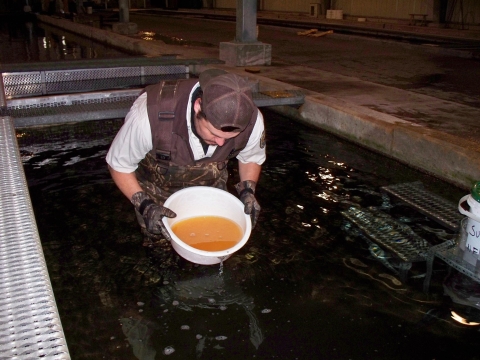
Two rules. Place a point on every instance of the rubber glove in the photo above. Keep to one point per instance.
(246, 192)
(152, 214)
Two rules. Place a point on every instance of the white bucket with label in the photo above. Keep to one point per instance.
(470, 207)
(199, 201)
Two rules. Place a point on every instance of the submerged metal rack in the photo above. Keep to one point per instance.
(385, 231)
(443, 212)
(399, 238)
(433, 206)
(30, 326)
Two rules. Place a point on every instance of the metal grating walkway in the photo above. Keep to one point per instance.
(39, 83)
(430, 205)
(382, 229)
(30, 326)
(104, 105)
(47, 78)
(70, 91)
(50, 110)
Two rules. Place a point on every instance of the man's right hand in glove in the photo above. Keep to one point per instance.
(152, 213)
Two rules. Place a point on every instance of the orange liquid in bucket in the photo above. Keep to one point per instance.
(209, 233)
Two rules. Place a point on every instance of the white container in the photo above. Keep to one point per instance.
(472, 242)
(206, 201)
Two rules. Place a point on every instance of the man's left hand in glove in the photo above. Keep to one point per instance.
(152, 213)
(246, 192)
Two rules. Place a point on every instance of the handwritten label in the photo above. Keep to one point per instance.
(473, 238)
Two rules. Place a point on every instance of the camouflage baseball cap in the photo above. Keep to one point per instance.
(227, 100)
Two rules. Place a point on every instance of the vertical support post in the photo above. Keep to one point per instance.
(123, 11)
(246, 24)
(245, 49)
(80, 9)
(3, 98)
(124, 26)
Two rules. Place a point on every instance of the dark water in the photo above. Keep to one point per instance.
(29, 41)
(305, 286)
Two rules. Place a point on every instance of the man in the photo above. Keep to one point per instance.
(182, 133)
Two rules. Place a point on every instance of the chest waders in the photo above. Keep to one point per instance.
(170, 165)
(158, 175)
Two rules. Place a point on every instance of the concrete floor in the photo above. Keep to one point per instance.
(417, 103)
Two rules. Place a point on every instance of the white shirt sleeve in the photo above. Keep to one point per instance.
(133, 141)
(254, 151)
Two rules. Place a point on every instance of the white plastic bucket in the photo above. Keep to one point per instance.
(473, 224)
(198, 201)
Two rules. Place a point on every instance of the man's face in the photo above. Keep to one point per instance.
(210, 134)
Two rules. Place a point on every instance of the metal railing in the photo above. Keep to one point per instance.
(30, 325)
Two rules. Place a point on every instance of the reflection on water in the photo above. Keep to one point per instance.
(308, 284)
(31, 42)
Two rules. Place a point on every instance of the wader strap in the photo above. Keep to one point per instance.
(165, 102)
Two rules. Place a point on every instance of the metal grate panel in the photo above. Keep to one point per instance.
(45, 82)
(100, 105)
(30, 326)
(430, 205)
(88, 74)
(71, 108)
(24, 78)
(386, 231)
(16, 84)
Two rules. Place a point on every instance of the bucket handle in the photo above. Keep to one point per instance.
(464, 211)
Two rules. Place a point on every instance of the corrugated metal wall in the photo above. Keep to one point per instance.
(225, 4)
(468, 10)
(299, 6)
(397, 9)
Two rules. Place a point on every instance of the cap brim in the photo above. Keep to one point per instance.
(209, 74)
